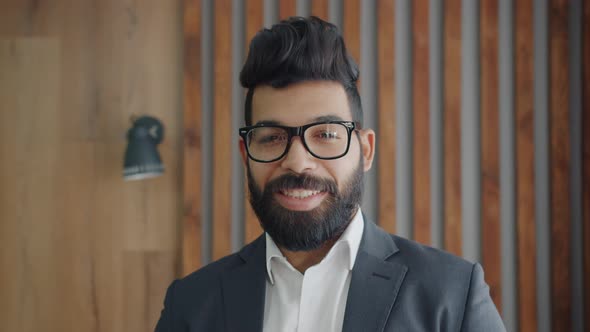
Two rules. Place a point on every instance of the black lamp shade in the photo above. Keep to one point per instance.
(142, 159)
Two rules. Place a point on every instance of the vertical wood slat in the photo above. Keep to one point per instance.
(287, 8)
(452, 126)
(560, 167)
(490, 149)
(527, 280)
(254, 19)
(222, 138)
(319, 8)
(254, 22)
(352, 28)
(191, 248)
(421, 102)
(386, 109)
(586, 156)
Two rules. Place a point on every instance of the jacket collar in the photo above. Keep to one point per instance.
(374, 285)
(375, 282)
(244, 288)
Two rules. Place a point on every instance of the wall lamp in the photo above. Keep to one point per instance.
(142, 160)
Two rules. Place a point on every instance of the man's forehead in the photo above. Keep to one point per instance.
(305, 102)
(302, 88)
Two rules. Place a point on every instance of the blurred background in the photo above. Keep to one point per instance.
(481, 110)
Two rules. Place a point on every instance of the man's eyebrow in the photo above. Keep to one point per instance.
(267, 123)
(323, 118)
(328, 118)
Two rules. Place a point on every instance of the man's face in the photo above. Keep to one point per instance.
(303, 201)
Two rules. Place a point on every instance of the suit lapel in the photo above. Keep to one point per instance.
(244, 290)
(375, 282)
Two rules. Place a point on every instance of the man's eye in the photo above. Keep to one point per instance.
(270, 139)
(329, 135)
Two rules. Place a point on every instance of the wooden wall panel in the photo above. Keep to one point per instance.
(351, 28)
(141, 92)
(527, 280)
(490, 149)
(452, 126)
(222, 137)
(191, 258)
(78, 249)
(287, 8)
(145, 271)
(586, 155)
(254, 22)
(560, 167)
(320, 9)
(386, 105)
(72, 74)
(79, 73)
(15, 21)
(29, 131)
(421, 102)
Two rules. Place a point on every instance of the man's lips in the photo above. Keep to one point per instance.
(300, 193)
(300, 199)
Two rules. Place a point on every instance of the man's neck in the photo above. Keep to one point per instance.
(302, 260)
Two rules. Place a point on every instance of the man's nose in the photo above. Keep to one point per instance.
(298, 159)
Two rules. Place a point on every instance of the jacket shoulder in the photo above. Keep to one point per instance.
(416, 255)
(207, 279)
(443, 290)
(435, 274)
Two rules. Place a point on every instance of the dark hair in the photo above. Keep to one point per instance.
(300, 49)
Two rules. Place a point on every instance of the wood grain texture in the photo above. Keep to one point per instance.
(287, 8)
(490, 149)
(142, 93)
(254, 19)
(452, 126)
(191, 243)
(222, 158)
(28, 203)
(319, 8)
(254, 22)
(560, 167)
(386, 104)
(524, 99)
(421, 102)
(351, 29)
(80, 73)
(145, 272)
(72, 73)
(586, 156)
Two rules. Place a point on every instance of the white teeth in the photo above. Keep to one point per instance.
(300, 193)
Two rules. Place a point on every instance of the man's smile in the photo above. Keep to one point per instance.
(300, 199)
(300, 193)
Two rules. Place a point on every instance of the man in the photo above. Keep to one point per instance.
(321, 265)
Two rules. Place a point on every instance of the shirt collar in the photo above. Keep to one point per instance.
(351, 239)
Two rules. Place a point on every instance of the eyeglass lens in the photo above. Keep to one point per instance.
(325, 140)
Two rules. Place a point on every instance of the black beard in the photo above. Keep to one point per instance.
(306, 230)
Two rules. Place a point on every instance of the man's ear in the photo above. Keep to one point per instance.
(243, 152)
(367, 140)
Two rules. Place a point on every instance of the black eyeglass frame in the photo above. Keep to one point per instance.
(298, 131)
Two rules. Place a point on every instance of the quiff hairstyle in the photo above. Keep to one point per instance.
(300, 49)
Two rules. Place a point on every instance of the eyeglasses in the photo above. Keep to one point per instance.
(323, 140)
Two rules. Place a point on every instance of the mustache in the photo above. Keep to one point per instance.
(308, 182)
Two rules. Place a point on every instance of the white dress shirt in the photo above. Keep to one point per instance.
(316, 300)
